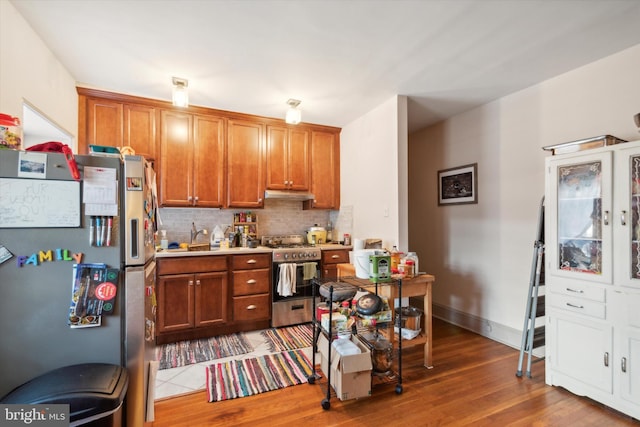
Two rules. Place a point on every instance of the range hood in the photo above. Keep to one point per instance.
(288, 195)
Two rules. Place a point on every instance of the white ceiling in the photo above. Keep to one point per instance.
(341, 58)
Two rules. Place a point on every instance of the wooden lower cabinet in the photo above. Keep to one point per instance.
(330, 260)
(204, 296)
(192, 300)
(251, 281)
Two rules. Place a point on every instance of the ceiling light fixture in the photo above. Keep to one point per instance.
(180, 92)
(294, 116)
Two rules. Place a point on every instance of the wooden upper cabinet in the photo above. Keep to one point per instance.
(140, 130)
(213, 158)
(209, 161)
(176, 159)
(325, 171)
(105, 123)
(118, 124)
(245, 164)
(192, 160)
(287, 158)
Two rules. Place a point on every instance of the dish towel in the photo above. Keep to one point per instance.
(309, 270)
(287, 280)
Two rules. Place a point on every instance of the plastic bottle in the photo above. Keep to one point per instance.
(395, 259)
(413, 257)
(164, 243)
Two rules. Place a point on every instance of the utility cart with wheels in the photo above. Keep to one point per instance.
(378, 359)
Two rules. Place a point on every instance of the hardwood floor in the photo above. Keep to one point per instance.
(473, 382)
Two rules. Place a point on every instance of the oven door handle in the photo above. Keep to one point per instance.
(300, 265)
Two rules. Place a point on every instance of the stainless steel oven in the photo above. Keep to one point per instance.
(294, 265)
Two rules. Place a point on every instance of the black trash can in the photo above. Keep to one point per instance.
(95, 393)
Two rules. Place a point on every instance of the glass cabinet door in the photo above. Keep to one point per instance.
(627, 217)
(579, 218)
(581, 240)
(634, 216)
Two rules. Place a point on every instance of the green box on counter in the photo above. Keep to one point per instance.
(379, 268)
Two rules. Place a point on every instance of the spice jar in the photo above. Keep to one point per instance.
(409, 269)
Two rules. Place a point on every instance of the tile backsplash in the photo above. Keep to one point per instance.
(277, 217)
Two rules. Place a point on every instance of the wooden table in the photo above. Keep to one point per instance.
(419, 286)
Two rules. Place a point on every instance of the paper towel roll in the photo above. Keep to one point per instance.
(358, 244)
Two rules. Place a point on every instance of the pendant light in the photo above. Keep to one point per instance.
(294, 115)
(180, 92)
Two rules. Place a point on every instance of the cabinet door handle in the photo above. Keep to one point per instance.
(606, 358)
(251, 307)
(605, 218)
(575, 306)
(623, 218)
(198, 282)
(623, 364)
(335, 256)
(577, 291)
(251, 281)
(190, 282)
(196, 199)
(251, 261)
(189, 198)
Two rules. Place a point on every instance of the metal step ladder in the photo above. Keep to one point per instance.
(532, 336)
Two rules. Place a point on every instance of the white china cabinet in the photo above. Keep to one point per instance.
(592, 218)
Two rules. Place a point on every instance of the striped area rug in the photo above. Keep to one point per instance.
(289, 338)
(184, 353)
(241, 378)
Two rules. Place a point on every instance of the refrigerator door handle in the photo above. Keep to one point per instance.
(134, 238)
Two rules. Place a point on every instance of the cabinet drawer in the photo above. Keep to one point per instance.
(580, 290)
(578, 305)
(251, 261)
(335, 256)
(253, 307)
(249, 282)
(196, 264)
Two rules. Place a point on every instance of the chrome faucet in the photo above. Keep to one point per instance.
(195, 232)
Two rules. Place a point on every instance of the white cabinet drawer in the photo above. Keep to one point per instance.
(579, 290)
(578, 305)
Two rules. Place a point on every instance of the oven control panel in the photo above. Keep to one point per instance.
(298, 254)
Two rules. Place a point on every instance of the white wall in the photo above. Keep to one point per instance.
(373, 181)
(481, 254)
(30, 71)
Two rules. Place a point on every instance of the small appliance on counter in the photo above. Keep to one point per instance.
(316, 235)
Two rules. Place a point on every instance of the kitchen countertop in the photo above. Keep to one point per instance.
(173, 253)
(325, 246)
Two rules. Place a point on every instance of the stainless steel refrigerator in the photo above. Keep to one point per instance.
(48, 223)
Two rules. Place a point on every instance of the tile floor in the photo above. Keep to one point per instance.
(190, 378)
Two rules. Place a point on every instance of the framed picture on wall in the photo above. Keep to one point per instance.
(458, 185)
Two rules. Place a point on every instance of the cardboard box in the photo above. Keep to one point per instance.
(350, 375)
(338, 322)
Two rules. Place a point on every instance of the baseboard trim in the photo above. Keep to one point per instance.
(487, 328)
